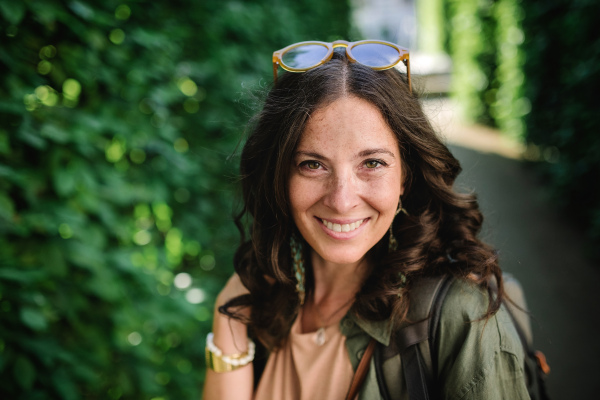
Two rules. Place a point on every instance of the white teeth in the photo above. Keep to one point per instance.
(342, 228)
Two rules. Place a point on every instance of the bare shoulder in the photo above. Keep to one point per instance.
(233, 288)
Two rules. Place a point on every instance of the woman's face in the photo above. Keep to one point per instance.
(346, 180)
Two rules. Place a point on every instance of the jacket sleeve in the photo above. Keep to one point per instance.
(478, 359)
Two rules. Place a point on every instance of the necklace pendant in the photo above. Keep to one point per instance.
(320, 336)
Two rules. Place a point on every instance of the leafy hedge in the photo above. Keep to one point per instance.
(530, 68)
(562, 80)
(471, 27)
(116, 186)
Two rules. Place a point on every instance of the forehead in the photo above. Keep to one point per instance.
(347, 124)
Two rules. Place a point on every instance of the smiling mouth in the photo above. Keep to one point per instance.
(342, 227)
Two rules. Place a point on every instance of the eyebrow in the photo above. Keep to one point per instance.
(310, 154)
(370, 152)
(364, 153)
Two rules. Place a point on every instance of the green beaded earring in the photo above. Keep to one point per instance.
(298, 262)
(393, 243)
(393, 246)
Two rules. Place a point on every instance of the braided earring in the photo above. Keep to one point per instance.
(393, 246)
(393, 243)
(298, 263)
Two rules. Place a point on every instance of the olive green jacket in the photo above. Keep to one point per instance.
(476, 360)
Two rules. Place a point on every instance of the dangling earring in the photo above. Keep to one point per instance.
(298, 261)
(393, 244)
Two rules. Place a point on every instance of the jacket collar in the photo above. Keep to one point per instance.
(378, 330)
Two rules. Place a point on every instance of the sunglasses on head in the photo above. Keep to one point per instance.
(376, 54)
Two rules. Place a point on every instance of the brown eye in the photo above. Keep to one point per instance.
(313, 165)
(372, 164)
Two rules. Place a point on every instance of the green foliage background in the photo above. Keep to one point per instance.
(562, 80)
(117, 123)
(531, 69)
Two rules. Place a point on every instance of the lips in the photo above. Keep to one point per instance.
(338, 227)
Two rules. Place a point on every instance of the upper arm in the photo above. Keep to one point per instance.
(231, 337)
(478, 359)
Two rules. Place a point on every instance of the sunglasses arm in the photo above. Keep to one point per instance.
(275, 66)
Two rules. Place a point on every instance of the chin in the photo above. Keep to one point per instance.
(341, 256)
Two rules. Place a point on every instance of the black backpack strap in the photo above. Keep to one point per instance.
(420, 367)
(427, 297)
(417, 380)
(378, 358)
(418, 343)
(434, 322)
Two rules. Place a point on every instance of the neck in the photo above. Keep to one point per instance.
(334, 291)
(337, 283)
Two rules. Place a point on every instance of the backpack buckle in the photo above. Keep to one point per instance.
(541, 361)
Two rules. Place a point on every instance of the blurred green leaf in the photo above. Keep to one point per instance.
(64, 181)
(64, 385)
(33, 318)
(4, 142)
(24, 372)
(55, 133)
(53, 260)
(13, 11)
(15, 275)
(7, 208)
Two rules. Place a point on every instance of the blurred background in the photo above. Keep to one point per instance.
(119, 124)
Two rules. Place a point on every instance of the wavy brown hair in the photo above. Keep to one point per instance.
(438, 236)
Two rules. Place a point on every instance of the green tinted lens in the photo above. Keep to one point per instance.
(375, 55)
(304, 56)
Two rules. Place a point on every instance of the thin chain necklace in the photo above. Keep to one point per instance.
(320, 336)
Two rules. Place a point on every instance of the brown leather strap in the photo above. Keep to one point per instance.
(361, 371)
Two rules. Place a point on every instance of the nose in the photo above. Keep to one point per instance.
(342, 193)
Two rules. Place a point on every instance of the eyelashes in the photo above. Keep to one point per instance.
(372, 164)
(312, 165)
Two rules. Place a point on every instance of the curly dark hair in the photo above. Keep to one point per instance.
(438, 236)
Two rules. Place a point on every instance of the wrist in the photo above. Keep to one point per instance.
(220, 362)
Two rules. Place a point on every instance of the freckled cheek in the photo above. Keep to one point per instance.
(385, 202)
(302, 196)
(383, 197)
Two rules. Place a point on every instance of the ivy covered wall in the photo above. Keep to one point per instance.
(117, 189)
(531, 69)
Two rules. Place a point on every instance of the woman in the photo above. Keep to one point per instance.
(349, 194)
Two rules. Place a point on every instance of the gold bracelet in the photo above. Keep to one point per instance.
(218, 362)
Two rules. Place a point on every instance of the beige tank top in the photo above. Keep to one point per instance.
(302, 370)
